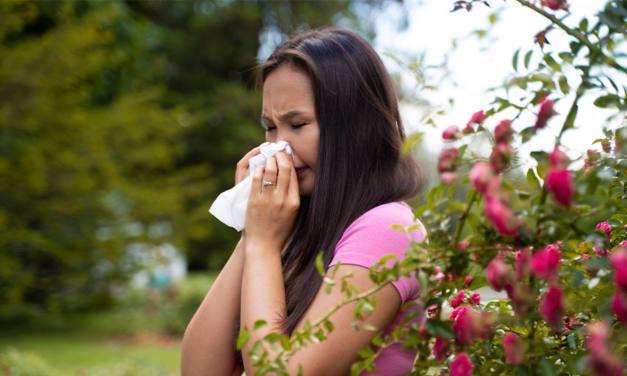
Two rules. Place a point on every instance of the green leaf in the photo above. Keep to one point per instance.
(527, 133)
(547, 367)
(610, 100)
(243, 338)
(552, 63)
(377, 340)
(369, 327)
(271, 337)
(319, 264)
(440, 328)
(285, 343)
(477, 283)
(571, 341)
(462, 150)
(564, 87)
(515, 60)
(527, 58)
(328, 325)
(583, 25)
(410, 142)
(259, 324)
(533, 179)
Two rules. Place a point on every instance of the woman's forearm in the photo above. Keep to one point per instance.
(208, 344)
(263, 296)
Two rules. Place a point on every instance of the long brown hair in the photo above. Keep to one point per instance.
(359, 165)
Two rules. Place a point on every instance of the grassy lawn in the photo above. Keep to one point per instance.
(104, 339)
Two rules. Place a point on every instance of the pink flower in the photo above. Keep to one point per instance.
(480, 175)
(452, 133)
(467, 281)
(585, 257)
(501, 217)
(475, 298)
(431, 311)
(556, 4)
(462, 245)
(523, 265)
(497, 274)
(600, 251)
(514, 349)
(441, 349)
(546, 112)
(461, 366)
(468, 129)
(560, 185)
(619, 306)
(458, 312)
(500, 157)
(623, 244)
(477, 118)
(604, 226)
(551, 307)
(545, 263)
(423, 332)
(454, 303)
(503, 132)
(602, 361)
(448, 177)
(558, 160)
(618, 259)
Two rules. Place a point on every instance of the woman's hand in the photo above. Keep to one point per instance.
(243, 166)
(272, 209)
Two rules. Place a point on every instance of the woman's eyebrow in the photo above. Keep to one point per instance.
(285, 116)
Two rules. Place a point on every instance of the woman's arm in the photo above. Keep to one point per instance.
(270, 217)
(208, 344)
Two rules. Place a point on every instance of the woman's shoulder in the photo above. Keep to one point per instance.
(381, 219)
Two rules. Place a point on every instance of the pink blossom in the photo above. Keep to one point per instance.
(480, 175)
(476, 298)
(501, 217)
(551, 307)
(497, 274)
(454, 303)
(556, 4)
(546, 112)
(503, 132)
(558, 159)
(463, 327)
(545, 263)
(602, 361)
(619, 306)
(462, 245)
(500, 157)
(521, 297)
(600, 251)
(477, 118)
(604, 226)
(461, 366)
(458, 312)
(441, 349)
(585, 257)
(523, 265)
(452, 133)
(624, 243)
(448, 177)
(423, 332)
(447, 165)
(432, 310)
(560, 185)
(618, 259)
(467, 281)
(514, 349)
(468, 129)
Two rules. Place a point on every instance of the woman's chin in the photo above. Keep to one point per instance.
(305, 188)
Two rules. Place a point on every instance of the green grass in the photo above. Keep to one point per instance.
(106, 338)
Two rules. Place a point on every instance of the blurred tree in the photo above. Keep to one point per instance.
(87, 153)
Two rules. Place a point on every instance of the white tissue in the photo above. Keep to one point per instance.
(230, 206)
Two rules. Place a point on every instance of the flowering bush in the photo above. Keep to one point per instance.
(556, 246)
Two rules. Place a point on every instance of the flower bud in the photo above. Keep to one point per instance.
(441, 349)
(619, 307)
(546, 112)
(556, 4)
(498, 275)
(560, 185)
(545, 263)
(475, 298)
(606, 146)
(447, 165)
(452, 133)
(501, 217)
(618, 259)
(500, 157)
(480, 176)
(514, 349)
(503, 132)
(477, 118)
(551, 307)
(604, 226)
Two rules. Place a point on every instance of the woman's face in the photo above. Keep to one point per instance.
(289, 115)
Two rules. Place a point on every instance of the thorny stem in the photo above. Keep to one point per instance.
(580, 37)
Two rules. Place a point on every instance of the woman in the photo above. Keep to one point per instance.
(339, 190)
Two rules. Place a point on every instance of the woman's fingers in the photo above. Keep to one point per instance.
(243, 165)
(257, 179)
(285, 174)
(271, 172)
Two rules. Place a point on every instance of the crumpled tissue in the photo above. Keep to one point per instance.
(230, 206)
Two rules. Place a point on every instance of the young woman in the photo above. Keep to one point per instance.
(328, 95)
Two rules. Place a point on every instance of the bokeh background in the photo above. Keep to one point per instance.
(121, 122)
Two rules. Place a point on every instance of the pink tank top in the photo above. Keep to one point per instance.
(364, 242)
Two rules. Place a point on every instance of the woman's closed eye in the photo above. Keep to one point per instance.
(295, 126)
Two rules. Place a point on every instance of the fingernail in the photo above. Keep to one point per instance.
(288, 150)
